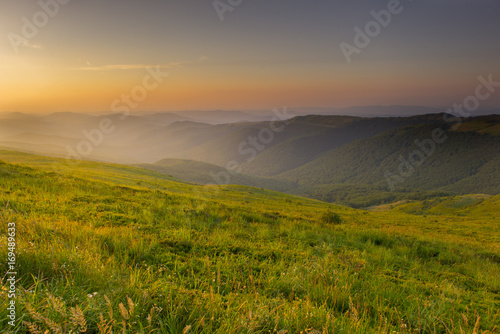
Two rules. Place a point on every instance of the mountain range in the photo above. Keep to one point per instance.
(360, 161)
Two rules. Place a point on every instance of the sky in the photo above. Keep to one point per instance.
(98, 55)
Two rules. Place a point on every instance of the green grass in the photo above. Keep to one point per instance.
(105, 247)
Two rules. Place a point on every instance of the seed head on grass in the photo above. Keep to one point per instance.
(33, 328)
(105, 327)
(110, 307)
(353, 311)
(124, 312)
(130, 306)
(34, 314)
(78, 319)
(57, 304)
(54, 327)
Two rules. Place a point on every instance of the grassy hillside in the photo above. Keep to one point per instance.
(109, 248)
(204, 173)
(467, 162)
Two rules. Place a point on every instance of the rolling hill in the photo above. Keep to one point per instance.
(462, 156)
(344, 159)
(347, 159)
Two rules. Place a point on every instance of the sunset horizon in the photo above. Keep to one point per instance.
(53, 60)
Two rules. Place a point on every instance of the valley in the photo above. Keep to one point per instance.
(353, 161)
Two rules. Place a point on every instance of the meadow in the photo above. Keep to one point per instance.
(105, 248)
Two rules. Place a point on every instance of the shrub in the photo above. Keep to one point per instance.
(331, 218)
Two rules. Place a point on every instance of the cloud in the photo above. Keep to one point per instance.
(26, 44)
(129, 67)
(123, 67)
